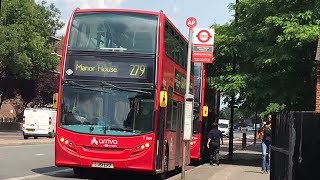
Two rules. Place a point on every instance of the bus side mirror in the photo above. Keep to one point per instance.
(205, 111)
(163, 99)
(55, 101)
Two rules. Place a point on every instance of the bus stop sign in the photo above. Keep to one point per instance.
(188, 117)
(191, 22)
(202, 48)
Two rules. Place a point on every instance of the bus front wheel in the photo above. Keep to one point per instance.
(79, 171)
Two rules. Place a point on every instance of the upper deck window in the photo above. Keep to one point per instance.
(113, 31)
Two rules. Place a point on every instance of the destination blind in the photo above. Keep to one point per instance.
(110, 69)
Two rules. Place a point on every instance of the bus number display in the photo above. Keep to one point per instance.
(137, 70)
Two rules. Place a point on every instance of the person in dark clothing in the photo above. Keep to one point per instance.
(213, 144)
(265, 143)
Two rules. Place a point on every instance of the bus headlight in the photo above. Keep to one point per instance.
(68, 144)
(141, 147)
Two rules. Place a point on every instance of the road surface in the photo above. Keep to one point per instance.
(34, 159)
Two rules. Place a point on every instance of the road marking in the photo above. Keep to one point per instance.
(7, 146)
(39, 175)
(39, 154)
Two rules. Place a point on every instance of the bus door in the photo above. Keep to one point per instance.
(177, 111)
(160, 138)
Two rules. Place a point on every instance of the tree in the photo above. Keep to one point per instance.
(225, 113)
(274, 44)
(25, 51)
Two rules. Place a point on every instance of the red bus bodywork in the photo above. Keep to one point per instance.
(197, 139)
(137, 153)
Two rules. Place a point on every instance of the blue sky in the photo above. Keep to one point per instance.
(207, 12)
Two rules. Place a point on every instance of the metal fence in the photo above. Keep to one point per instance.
(3, 119)
(295, 147)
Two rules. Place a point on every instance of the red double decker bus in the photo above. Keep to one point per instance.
(198, 142)
(121, 92)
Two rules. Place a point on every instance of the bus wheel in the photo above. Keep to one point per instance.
(35, 137)
(79, 171)
(25, 137)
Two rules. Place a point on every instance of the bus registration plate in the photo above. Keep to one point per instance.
(102, 165)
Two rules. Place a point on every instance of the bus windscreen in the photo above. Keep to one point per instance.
(106, 110)
(114, 32)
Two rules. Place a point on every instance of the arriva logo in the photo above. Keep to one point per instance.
(94, 141)
(108, 141)
(105, 142)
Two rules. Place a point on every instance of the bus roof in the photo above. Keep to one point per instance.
(78, 10)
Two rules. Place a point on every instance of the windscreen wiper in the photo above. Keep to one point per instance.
(121, 49)
(124, 89)
(72, 83)
(85, 87)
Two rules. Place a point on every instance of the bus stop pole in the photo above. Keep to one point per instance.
(185, 141)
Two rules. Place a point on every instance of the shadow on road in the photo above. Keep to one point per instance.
(44, 170)
(98, 174)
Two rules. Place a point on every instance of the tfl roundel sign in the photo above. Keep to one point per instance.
(203, 36)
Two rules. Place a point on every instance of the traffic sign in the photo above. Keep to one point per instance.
(203, 36)
(191, 22)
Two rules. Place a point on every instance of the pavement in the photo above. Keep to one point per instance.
(245, 165)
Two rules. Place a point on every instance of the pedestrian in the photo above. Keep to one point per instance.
(265, 134)
(213, 143)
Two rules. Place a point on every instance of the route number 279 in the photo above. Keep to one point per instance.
(137, 70)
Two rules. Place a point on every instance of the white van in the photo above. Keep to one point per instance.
(224, 126)
(39, 122)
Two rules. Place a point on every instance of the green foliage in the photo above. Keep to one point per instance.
(25, 28)
(273, 46)
(273, 107)
(225, 113)
(26, 59)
